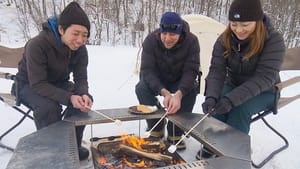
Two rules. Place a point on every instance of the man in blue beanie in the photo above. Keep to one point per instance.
(169, 68)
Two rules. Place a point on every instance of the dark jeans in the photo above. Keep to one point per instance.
(47, 111)
(240, 117)
(146, 96)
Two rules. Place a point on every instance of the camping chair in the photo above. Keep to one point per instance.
(291, 62)
(9, 58)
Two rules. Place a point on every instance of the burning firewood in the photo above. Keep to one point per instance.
(155, 146)
(154, 156)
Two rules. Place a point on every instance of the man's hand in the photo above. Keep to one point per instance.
(84, 103)
(173, 102)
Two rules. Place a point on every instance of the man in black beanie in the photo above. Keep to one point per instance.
(44, 71)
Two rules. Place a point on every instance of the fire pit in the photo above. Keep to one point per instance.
(40, 150)
(130, 151)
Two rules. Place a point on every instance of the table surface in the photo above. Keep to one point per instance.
(40, 150)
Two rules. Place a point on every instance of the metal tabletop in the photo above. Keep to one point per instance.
(219, 137)
(120, 113)
(51, 147)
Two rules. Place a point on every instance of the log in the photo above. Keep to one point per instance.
(154, 156)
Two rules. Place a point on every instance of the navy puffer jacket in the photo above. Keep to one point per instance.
(161, 66)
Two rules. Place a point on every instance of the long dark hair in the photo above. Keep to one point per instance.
(256, 40)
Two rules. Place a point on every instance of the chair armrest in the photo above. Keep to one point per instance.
(286, 100)
(287, 83)
(7, 76)
(8, 99)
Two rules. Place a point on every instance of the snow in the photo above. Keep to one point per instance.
(112, 78)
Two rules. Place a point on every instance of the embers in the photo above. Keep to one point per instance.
(129, 151)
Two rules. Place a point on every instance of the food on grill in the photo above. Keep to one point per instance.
(145, 108)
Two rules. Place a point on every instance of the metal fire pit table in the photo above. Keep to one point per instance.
(55, 146)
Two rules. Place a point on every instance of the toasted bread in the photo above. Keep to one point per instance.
(144, 108)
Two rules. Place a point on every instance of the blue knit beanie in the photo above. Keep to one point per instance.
(171, 22)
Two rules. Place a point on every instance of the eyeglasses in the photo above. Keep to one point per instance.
(173, 27)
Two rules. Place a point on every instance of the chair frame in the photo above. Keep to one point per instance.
(16, 106)
(290, 63)
(9, 58)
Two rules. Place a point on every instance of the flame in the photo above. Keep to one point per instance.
(140, 164)
(134, 141)
(101, 160)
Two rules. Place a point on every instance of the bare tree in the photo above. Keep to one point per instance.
(114, 20)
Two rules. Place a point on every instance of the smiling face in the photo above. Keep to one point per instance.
(169, 39)
(74, 36)
(242, 30)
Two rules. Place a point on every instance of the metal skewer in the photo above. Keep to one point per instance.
(173, 148)
(117, 121)
(148, 133)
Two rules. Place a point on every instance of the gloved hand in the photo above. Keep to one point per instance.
(223, 106)
(208, 105)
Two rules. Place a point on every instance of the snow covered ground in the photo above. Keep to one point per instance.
(112, 80)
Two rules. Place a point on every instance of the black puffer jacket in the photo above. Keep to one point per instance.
(161, 66)
(46, 63)
(249, 77)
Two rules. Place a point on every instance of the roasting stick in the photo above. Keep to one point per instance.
(148, 133)
(117, 121)
(173, 148)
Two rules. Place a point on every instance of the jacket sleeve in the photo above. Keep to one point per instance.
(266, 74)
(36, 66)
(80, 72)
(191, 67)
(215, 78)
(148, 66)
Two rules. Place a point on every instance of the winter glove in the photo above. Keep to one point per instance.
(208, 105)
(223, 106)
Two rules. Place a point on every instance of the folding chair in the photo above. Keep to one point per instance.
(291, 62)
(9, 58)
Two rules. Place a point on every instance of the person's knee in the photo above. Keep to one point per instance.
(139, 88)
(51, 107)
(50, 112)
(239, 120)
(144, 94)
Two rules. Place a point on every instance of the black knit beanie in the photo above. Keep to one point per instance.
(245, 10)
(74, 14)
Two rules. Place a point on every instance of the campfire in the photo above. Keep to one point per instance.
(130, 151)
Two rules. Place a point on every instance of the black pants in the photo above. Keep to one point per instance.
(47, 111)
(146, 96)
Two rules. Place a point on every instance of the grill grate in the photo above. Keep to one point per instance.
(196, 164)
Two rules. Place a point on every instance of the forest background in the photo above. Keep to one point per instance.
(127, 22)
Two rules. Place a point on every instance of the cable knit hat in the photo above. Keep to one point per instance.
(74, 14)
(171, 22)
(245, 10)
